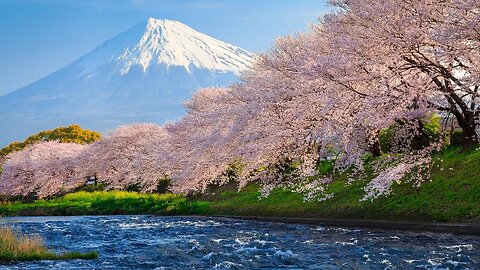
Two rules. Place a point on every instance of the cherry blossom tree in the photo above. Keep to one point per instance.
(43, 169)
(201, 144)
(128, 156)
(375, 64)
(428, 46)
(366, 67)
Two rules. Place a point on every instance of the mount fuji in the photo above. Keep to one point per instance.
(141, 75)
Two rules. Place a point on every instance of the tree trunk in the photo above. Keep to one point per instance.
(420, 140)
(466, 121)
(470, 135)
(375, 147)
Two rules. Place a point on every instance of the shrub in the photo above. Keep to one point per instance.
(15, 246)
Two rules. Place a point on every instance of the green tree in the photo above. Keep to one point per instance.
(70, 134)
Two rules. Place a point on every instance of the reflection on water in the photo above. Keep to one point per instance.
(151, 242)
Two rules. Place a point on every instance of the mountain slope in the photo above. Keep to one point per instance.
(141, 75)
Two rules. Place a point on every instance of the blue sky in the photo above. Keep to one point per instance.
(38, 37)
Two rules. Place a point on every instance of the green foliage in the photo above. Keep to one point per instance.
(432, 126)
(2, 160)
(367, 158)
(325, 167)
(70, 134)
(385, 138)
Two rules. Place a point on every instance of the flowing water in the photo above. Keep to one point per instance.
(153, 242)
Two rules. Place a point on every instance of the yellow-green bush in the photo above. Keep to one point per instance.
(70, 134)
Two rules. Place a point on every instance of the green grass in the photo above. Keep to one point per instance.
(103, 203)
(453, 195)
(15, 246)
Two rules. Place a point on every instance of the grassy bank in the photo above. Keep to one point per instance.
(15, 246)
(103, 203)
(453, 195)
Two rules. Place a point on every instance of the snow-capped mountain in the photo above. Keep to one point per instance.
(141, 75)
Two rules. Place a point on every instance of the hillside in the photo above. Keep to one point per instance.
(453, 195)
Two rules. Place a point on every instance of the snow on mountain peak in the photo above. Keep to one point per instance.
(141, 75)
(169, 43)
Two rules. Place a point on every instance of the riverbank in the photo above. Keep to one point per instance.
(102, 203)
(453, 196)
(456, 228)
(16, 246)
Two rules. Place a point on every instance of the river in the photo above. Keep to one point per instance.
(153, 242)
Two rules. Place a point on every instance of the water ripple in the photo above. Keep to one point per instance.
(151, 242)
